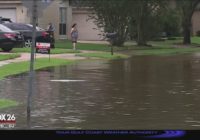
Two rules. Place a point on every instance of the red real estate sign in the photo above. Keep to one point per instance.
(42, 47)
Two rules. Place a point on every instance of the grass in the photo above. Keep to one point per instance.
(195, 40)
(21, 67)
(4, 103)
(66, 44)
(8, 56)
(104, 55)
(53, 51)
(166, 47)
(166, 51)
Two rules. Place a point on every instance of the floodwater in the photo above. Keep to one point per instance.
(143, 92)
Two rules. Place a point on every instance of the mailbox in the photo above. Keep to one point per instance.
(111, 37)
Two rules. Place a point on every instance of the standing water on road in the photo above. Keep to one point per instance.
(143, 92)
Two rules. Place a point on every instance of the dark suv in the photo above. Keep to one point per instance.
(26, 30)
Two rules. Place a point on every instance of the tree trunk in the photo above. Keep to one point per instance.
(141, 41)
(140, 34)
(186, 30)
(186, 35)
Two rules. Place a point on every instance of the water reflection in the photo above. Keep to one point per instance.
(137, 93)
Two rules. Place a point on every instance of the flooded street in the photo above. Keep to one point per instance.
(142, 92)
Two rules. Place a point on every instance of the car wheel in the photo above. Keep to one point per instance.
(6, 49)
(28, 43)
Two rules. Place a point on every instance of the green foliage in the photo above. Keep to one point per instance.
(187, 8)
(147, 17)
(138, 19)
(171, 22)
(4, 103)
(198, 33)
(112, 16)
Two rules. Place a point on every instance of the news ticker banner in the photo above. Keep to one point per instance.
(114, 134)
(8, 122)
(135, 134)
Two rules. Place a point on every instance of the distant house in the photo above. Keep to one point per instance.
(195, 18)
(59, 12)
(196, 22)
(62, 14)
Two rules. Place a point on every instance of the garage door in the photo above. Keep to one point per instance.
(8, 13)
(86, 28)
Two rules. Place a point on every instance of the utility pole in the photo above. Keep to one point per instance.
(31, 72)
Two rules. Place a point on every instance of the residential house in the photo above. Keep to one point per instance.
(59, 12)
(62, 14)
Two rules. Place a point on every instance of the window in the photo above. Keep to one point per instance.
(63, 20)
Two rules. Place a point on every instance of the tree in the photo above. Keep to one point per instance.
(171, 23)
(112, 16)
(147, 17)
(187, 8)
(138, 19)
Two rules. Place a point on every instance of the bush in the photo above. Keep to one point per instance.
(159, 39)
(198, 33)
(171, 38)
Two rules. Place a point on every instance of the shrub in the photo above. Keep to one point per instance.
(198, 33)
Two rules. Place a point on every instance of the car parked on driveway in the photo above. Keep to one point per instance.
(10, 39)
(26, 30)
(5, 20)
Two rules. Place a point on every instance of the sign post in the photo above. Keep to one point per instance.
(31, 72)
(111, 37)
(35, 10)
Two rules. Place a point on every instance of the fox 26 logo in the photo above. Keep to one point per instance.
(7, 120)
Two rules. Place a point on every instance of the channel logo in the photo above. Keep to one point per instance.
(7, 120)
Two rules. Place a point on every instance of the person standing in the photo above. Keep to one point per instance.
(51, 29)
(74, 35)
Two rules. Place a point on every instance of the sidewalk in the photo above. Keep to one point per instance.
(94, 42)
(26, 57)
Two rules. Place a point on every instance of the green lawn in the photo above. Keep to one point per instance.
(21, 67)
(104, 55)
(8, 56)
(166, 47)
(167, 51)
(195, 40)
(157, 47)
(66, 44)
(53, 51)
(4, 103)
